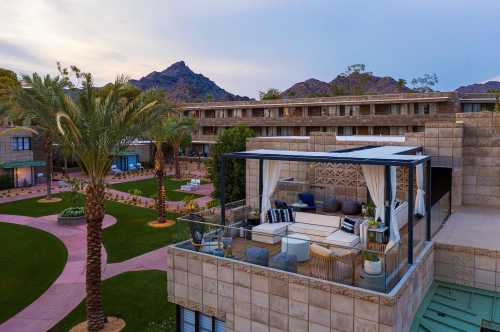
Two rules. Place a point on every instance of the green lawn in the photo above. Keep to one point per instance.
(129, 237)
(139, 298)
(149, 188)
(30, 260)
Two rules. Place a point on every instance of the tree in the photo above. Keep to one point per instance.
(180, 131)
(37, 106)
(270, 94)
(401, 84)
(231, 140)
(95, 129)
(496, 92)
(9, 84)
(425, 83)
(159, 133)
(356, 76)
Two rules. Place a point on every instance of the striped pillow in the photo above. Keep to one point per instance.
(279, 215)
(348, 225)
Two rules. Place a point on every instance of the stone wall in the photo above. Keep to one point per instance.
(6, 152)
(250, 298)
(467, 266)
(481, 158)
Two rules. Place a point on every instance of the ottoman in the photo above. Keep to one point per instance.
(284, 261)
(296, 244)
(256, 255)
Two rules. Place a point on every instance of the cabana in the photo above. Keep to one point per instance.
(378, 165)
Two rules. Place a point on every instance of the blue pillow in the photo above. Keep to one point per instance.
(307, 198)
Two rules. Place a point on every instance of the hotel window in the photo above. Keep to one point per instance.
(423, 108)
(193, 321)
(395, 108)
(21, 143)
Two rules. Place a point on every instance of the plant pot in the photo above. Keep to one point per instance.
(80, 220)
(373, 267)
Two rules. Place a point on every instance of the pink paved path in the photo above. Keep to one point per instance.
(69, 288)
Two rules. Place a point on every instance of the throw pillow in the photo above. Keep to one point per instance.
(273, 216)
(348, 225)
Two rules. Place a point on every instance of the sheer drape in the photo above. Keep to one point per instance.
(394, 235)
(270, 178)
(375, 181)
(420, 198)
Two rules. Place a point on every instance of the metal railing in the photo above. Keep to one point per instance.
(306, 253)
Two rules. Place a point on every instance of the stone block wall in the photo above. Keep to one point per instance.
(6, 152)
(250, 298)
(467, 266)
(481, 158)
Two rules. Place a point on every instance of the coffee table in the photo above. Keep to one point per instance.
(296, 244)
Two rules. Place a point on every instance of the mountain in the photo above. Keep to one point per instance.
(181, 84)
(311, 87)
(479, 87)
(354, 84)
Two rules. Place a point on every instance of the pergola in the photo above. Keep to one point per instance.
(387, 156)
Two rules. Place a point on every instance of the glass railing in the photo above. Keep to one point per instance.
(314, 248)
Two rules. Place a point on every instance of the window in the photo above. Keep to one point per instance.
(192, 321)
(21, 143)
(423, 108)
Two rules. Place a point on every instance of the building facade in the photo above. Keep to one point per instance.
(238, 296)
(17, 165)
(389, 114)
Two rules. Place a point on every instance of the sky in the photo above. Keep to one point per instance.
(247, 46)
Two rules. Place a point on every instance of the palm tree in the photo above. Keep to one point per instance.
(180, 134)
(160, 133)
(96, 129)
(37, 106)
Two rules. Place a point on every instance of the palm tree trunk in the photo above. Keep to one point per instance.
(94, 211)
(176, 161)
(48, 146)
(159, 168)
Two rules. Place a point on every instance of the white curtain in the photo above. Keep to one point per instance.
(271, 170)
(375, 181)
(394, 231)
(420, 198)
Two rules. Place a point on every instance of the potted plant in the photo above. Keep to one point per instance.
(372, 263)
(72, 216)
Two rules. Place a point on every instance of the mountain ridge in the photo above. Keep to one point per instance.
(181, 84)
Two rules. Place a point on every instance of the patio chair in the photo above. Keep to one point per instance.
(335, 264)
(132, 167)
(115, 170)
(308, 199)
(139, 166)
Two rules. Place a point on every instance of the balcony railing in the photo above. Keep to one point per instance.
(305, 252)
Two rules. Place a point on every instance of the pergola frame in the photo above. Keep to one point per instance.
(336, 158)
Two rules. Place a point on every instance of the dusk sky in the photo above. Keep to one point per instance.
(247, 46)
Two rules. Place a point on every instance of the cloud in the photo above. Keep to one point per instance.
(494, 78)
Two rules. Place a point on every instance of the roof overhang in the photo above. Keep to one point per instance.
(23, 163)
(369, 155)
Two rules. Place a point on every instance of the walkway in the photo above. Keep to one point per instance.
(69, 288)
(472, 226)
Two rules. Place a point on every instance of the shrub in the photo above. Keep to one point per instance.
(5, 181)
(74, 211)
(135, 192)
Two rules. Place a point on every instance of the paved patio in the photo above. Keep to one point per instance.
(472, 226)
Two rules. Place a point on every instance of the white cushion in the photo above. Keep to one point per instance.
(316, 230)
(342, 238)
(274, 229)
(317, 219)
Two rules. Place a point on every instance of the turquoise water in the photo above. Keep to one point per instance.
(450, 308)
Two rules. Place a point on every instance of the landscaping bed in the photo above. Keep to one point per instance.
(149, 188)
(129, 237)
(31, 261)
(139, 298)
